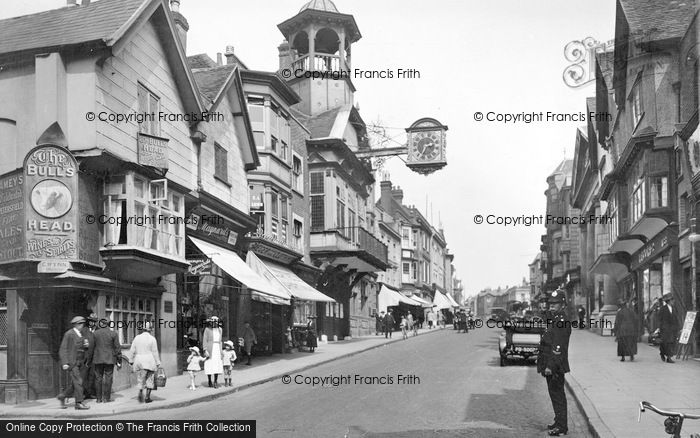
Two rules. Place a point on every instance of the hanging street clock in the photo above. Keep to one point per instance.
(426, 146)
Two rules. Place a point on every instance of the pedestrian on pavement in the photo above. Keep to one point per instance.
(229, 359)
(379, 323)
(194, 365)
(249, 339)
(553, 360)
(668, 328)
(581, 316)
(213, 350)
(311, 340)
(626, 331)
(411, 323)
(72, 356)
(107, 354)
(89, 369)
(404, 327)
(145, 360)
(388, 324)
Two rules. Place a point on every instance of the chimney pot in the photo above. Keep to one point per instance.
(175, 5)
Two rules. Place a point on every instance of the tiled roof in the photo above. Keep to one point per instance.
(66, 26)
(565, 167)
(201, 60)
(211, 80)
(320, 5)
(321, 124)
(658, 19)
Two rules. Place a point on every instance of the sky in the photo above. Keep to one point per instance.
(473, 56)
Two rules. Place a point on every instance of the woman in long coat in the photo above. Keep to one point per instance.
(212, 343)
(626, 326)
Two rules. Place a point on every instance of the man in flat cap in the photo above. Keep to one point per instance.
(88, 370)
(667, 323)
(553, 360)
(72, 354)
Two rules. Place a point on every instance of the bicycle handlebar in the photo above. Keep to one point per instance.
(646, 405)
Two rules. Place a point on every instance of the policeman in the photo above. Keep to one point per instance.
(553, 360)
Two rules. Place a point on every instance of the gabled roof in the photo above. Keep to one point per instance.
(105, 24)
(655, 20)
(98, 21)
(322, 124)
(211, 80)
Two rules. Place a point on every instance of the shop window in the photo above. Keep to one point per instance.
(126, 318)
(143, 213)
(149, 107)
(659, 192)
(220, 163)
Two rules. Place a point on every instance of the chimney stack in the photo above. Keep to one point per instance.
(230, 58)
(72, 3)
(181, 24)
(385, 196)
(219, 59)
(285, 55)
(85, 3)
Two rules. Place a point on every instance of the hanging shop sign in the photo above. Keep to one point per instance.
(210, 225)
(199, 266)
(51, 218)
(152, 151)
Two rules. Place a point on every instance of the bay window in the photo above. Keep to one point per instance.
(143, 213)
(659, 192)
(637, 204)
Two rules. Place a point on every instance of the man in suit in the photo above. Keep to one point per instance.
(107, 353)
(389, 324)
(553, 360)
(667, 322)
(88, 370)
(72, 354)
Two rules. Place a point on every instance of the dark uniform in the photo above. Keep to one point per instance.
(554, 356)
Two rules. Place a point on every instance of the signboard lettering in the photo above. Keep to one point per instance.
(152, 151)
(11, 217)
(687, 327)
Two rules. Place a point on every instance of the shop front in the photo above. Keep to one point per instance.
(655, 272)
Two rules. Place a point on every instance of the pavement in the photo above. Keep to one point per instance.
(609, 391)
(176, 393)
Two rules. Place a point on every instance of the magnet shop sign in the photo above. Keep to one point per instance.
(51, 179)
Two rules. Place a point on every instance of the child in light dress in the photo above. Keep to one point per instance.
(229, 358)
(194, 362)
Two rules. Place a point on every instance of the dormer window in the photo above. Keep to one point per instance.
(636, 105)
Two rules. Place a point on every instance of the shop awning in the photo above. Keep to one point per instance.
(421, 301)
(452, 300)
(440, 301)
(282, 275)
(233, 265)
(389, 297)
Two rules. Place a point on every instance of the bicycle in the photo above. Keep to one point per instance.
(673, 422)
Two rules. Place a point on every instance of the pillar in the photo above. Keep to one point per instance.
(312, 48)
(16, 386)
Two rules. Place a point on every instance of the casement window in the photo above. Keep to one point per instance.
(636, 104)
(274, 214)
(298, 174)
(149, 107)
(143, 213)
(284, 217)
(340, 215)
(128, 313)
(220, 163)
(298, 233)
(414, 270)
(637, 204)
(659, 192)
(273, 143)
(405, 237)
(256, 112)
(3, 320)
(614, 221)
(317, 194)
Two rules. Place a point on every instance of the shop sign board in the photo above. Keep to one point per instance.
(653, 249)
(152, 151)
(687, 327)
(12, 207)
(51, 212)
(53, 266)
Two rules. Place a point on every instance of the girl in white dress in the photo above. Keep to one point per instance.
(194, 365)
(212, 343)
(229, 358)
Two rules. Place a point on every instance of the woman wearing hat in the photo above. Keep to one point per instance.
(144, 358)
(626, 332)
(213, 350)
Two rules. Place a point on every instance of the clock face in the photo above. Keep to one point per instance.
(426, 145)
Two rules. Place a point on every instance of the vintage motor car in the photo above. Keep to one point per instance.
(520, 338)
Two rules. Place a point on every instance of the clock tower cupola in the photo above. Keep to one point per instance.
(316, 56)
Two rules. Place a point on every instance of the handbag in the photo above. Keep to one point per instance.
(161, 378)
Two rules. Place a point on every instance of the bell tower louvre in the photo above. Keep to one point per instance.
(315, 57)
